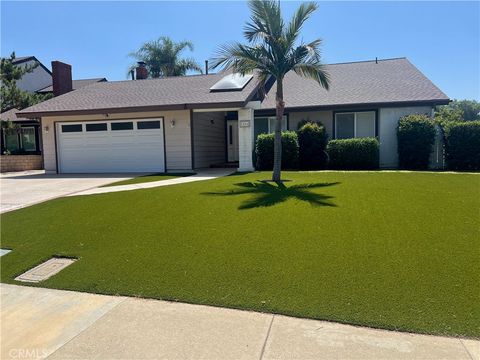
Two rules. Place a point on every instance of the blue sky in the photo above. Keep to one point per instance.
(441, 38)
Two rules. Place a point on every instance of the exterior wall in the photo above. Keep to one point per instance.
(178, 151)
(387, 131)
(36, 80)
(20, 162)
(325, 117)
(209, 141)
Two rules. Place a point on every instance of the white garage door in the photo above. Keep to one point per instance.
(111, 146)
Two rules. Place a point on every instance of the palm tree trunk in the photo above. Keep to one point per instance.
(277, 145)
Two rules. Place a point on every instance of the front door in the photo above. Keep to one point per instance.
(232, 140)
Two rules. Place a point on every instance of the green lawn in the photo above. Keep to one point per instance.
(149, 178)
(385, 249)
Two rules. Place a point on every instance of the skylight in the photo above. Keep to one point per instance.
(232, 82)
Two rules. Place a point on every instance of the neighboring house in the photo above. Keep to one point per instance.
(76, 84)
(24, 140)
(41, 80)
(182, 123)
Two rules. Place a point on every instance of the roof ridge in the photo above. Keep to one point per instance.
(161, 78)
(365, 61)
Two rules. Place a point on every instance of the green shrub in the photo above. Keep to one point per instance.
(264, 151)
(462, 145)
(353, 154)
(312, 140)
(416, 136)
(303, 122)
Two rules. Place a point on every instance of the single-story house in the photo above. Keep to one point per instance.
(184, 123)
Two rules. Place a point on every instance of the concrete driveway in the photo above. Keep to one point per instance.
(23, 189)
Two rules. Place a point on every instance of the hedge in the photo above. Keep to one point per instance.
(264, 151)
(312, 141)
(353, 154)
(462, 145)
(416, 136)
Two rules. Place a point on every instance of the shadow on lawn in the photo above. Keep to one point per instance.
(269, 194)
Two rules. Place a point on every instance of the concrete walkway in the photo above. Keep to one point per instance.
(54, 324)
(205, 174)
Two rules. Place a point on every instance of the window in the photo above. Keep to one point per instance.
(355, 124)
(97, 127)
(345, 126)
(144, 125)
(71, 128)
(28, 139)
(271, 124)
(11, 141)
(122, 126)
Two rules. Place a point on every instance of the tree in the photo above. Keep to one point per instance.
(10, 95)
(274, 49)
(459, 110)
(162, 58)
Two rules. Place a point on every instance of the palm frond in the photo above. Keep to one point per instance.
(313, 70)
(301, 15)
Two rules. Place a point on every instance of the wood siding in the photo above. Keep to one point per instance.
(209, 141)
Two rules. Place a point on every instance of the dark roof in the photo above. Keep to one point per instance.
(365, 82)
(21, 59)
(185, 92)
(76, 84)
(11, 115)
(393, 81)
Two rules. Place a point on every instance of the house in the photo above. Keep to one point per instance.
(25, 142)
(40, 79)
(27, 137)
(183, 123)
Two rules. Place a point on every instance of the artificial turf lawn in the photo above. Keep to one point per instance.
(383, 249)
(149, 178)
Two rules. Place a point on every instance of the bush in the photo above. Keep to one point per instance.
(264, 150)
(416, 136)
(312, 141)
(303, 122)
(462, 145)
(353, 154)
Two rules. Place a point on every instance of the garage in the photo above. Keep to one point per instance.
(111, 146)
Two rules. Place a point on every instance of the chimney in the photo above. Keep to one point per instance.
(206, 67)
(141, 71)
(62, 78)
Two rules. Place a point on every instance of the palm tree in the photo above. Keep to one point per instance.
(273, 49)
(162, 57)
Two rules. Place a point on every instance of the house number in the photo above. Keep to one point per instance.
(245, 123)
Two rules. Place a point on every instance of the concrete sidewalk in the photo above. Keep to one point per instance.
(205, 174)
(55, 324)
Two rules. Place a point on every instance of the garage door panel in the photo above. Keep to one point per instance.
(111, 150)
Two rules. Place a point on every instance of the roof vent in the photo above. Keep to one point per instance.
(232, 82)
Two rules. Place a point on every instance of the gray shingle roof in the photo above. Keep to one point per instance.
(11, 115)
(150, 94)
(367, 82)
(76, 84)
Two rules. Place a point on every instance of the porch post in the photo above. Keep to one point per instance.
(245, 139)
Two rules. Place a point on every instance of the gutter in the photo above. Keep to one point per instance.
(132, 109)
